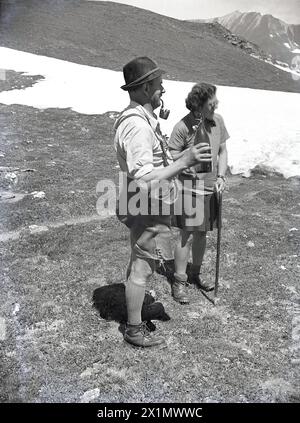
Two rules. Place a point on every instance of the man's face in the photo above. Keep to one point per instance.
(208, 109)
(155, 92)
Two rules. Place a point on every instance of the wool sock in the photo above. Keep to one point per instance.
(135, 295)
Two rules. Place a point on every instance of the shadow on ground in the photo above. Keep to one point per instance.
(110, 301)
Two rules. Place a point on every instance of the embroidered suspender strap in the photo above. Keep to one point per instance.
(163, 146)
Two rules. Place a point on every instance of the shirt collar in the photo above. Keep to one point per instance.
(144, 112)
(208, 122)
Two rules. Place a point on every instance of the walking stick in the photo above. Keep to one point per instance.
(219, 220)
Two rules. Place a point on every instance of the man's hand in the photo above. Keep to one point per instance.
(220, 185)
(197, 153)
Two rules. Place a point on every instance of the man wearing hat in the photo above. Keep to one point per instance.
(144, 158)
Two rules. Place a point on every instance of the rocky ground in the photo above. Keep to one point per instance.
(55, 251)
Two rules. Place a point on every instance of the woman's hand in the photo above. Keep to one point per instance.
(220, 184)
(197, 153)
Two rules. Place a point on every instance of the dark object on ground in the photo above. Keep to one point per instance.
(109, 300)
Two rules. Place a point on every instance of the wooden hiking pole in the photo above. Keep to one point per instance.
(219, 220)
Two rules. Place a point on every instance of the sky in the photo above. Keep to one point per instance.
(287, 10)
(92, 90)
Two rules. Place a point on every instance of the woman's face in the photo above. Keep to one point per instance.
(208, 108)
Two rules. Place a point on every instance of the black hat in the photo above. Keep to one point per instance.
(139, 71)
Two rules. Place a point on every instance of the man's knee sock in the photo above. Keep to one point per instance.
(135, 294)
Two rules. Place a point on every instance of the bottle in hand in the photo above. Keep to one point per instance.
(201, 135)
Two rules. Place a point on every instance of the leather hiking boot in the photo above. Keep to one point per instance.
(205, 286)
(139, 336)
(178, 291)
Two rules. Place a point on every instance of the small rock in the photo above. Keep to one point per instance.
(90, 395)
(86, 373)
(2, 154)
(11, 176)
(16, 309)
(282, 267)
(38, 194)
(36, 229)
(11, 354)
(2, 329)
(224, 283)
(250, 244)
(293, 230)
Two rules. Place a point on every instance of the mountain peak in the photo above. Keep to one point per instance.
(273, 35)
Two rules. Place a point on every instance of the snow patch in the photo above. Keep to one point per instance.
(264, 125)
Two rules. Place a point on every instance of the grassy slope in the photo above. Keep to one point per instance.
(109, 34)
(57, 346)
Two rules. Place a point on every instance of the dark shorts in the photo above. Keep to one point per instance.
(207, 213)
(150, 236)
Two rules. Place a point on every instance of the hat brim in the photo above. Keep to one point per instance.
(156, 73)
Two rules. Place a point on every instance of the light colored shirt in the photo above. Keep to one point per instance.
(182, 138)
(137, 142)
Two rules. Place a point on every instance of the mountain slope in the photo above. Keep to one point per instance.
(108, 35)
(273, 35)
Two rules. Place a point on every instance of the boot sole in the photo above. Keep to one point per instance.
(158, 346)
(181, 302)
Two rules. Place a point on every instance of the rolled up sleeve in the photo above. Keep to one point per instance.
(177, 141)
